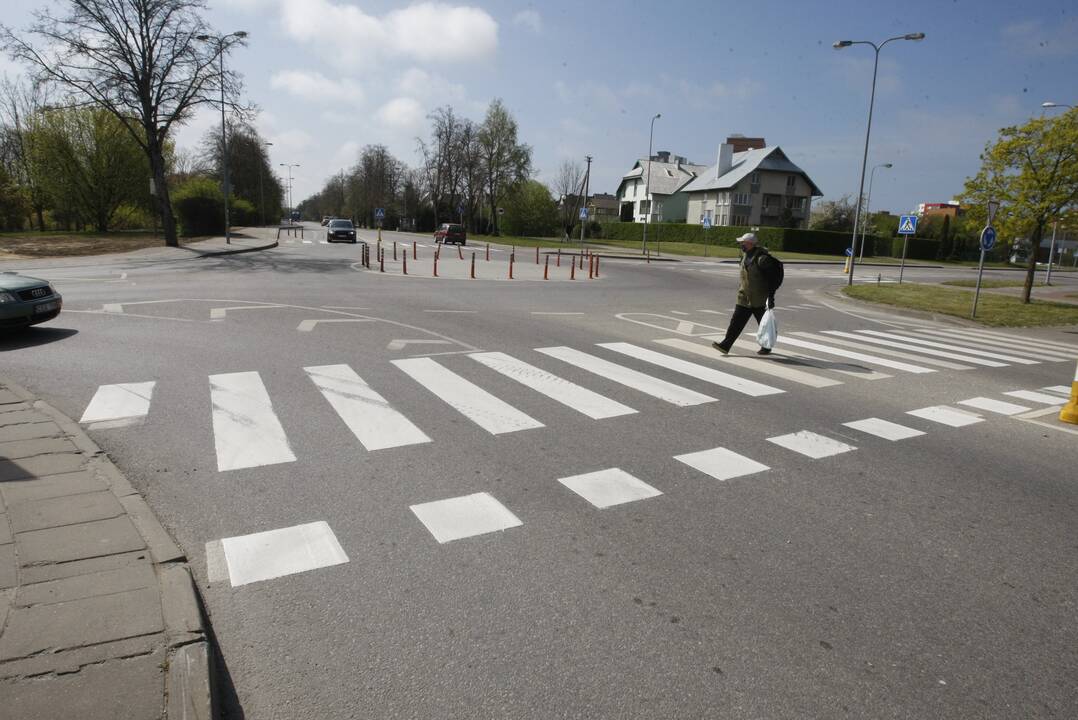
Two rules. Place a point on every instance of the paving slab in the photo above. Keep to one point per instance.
(78, 542)
(28, 489)
(69, 661)
(5, 527)
(23, 416)
(79, 623)
(8, 397)
(38, 446)
(58, 571)
(9, 575)
(106, 582)
(67, 510)
(14, 407)
(54, 464)
(26, 431)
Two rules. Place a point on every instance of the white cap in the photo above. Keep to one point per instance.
(747, 237)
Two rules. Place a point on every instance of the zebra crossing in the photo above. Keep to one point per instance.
(275, 553)
(248, 433)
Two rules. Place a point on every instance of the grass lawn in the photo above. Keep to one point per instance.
(987, 283)
(64, 244)
(992, 308)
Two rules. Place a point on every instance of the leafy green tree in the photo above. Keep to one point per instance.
(1032, 171)
(14, 203)
(506, 161)
(250, 174)
(835, 215)
(530, 211)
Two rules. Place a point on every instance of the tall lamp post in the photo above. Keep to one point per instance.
(262, 195)
(289, 166)
(868, 130)
(220, 40)
(868, 206)
(647, 183)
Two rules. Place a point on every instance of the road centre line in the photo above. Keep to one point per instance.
(488, 412)
(655, 387)
(700, 372)
(366, 413)
(246, 430)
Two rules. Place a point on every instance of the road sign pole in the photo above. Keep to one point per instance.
(977, 292)
(1051, 252)
(902, 265)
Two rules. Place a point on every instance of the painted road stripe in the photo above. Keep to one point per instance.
(118, 405)
(308, 242)
(858, 343)
(787, 357)
(923, 351)
(721, 464)
(955, 348)
(465, 516)
(946, 415)
(884, 429)
(1061, 389)
(567, 393)
(677, 312)
(366, 413)
(863, 357)
(712, 312)
(1008, 346)
(996, 406)
(246, 431)
(811, 444)
(754, 363)
(700, 372)
(1049, 344)
(1035, 397)
(605, 488)
(656, 388)
(276, 553)
(473, 402)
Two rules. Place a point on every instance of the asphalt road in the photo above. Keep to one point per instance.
(931, 576)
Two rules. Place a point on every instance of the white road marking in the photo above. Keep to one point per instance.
(401, 343)
(450, 311)
(567, 393)
(677, 312)
(783, 355)
(219, 313)
(955, 348)
(466, 516)
(884, 429)
(118, 405)
(1061, 389)
(996, 406)
(811, 444)
(605, 488)
(712, 312)
(473, 402)
(859, 344)
(308, 242)
(756, 364)
(1050, 344)
(946, 415)
(721, 464)
(366, 413)
(923, 351)
(661, 389)
(1035, 397)
(1026, 349)
(308, 325)
(276, 553)
(556, 313)
(700, 372)
(246, 431)
(113, 308)
(863, 357)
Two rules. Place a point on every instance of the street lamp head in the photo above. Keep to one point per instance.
(888, 165)
(842, 44)
(914, 36)
(1049, 104)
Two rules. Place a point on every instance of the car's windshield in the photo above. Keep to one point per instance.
(341, 224)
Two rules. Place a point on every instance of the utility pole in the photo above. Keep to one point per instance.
(584, 202)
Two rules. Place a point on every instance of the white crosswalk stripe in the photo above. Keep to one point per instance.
(1024, 349)
(954, 348)
(925, 351)
(488, 412)
(1036, 397)
(655, 387)
(785, 356)
(811, 444)
(721, 464)
(118, 405)
(567, 393)
(700, 372)
(606, 488)
(753, 363)
(246, 430)
(1007, 337)
(275, 553)
(463, 517)
(884, 429)
(366, 413)
(946, 415)
(995, 406)
(1059, 389)
(863, 357)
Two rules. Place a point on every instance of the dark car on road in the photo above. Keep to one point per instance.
(340, 230)
(26, 301)
(450, 233)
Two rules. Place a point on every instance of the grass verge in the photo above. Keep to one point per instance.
(73, 244)
(992, 309)
(987, 283)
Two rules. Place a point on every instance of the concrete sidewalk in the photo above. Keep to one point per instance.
(98, 613)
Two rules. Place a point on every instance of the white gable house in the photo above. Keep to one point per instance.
(651, 188)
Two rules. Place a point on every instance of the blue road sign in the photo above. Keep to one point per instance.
(988, 238)
(379, 213)
(706, 222)
(907, 224)
(583, 213)
(849, 252)
(460, 209)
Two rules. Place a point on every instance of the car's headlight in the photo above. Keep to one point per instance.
(52, 289)
(6, 297)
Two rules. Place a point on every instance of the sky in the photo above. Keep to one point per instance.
(585, 78)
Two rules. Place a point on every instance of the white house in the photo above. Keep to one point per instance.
(640, 195)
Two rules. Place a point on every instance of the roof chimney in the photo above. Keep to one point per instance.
(662, 156)
(726, 159)
(742, 143)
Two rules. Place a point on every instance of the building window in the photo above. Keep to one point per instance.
(755, 179)
(722, 219)
(795, 203)
(742, 199)
(741, 220)
(790, 180)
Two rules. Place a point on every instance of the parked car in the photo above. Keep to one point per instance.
(342, 230)
(26, 301)
(451, 233)
(326, 219)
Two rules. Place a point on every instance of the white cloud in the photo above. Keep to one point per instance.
(417, 83)
(316, 87)
(346, 154)
(529, 19)
(426, 32)
(292, 142)
(402, 112)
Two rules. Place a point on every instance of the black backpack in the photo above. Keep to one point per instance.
(772, 269)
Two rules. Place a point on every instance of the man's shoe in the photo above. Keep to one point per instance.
(721, 348)
(763, 351)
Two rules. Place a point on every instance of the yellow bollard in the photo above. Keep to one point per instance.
(1069, 413)
(846, 267)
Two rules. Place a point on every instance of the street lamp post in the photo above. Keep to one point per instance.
(647, 183)
(868, 130)
(220, 40)
(261, 194)
(868, 206)
(289, 166)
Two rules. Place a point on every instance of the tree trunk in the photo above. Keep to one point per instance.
(40, 217)
(1032, 269)
(164, 205)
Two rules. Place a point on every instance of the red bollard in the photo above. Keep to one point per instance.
(572, 270)
(536, 254)
(488, 252)
(596, 266)
(435, 264)
(460, 253)
(591, 268)
(512, 257)
(394, 251)
(382, 261)
(581, 260)
(559, 257)
(414, 256)
(473, 266)
(404, 268)
(546, 268)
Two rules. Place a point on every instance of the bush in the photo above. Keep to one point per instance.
(242, 212)
(199, 207)
(919, 248)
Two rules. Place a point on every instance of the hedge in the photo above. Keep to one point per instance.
(919, 248)
(200, 209)
(820, 242)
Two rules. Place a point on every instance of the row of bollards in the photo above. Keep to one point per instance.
(593, 260)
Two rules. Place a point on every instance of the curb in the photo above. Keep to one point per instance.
(189, 688)
(237, 251)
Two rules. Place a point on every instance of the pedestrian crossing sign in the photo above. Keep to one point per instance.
(706, 222)
(907, 225)
(379, 213)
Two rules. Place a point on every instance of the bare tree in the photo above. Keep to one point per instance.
(569, 186)
(141, 60)
(20, 110)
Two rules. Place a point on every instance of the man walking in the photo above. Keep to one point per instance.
(755, 293)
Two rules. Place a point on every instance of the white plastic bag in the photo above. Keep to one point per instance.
(768, 334)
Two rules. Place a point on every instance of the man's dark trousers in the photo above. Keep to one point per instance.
(737, 323)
